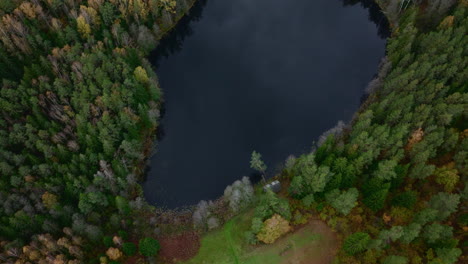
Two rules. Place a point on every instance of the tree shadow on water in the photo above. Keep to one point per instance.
(173, 41)
(375, 15)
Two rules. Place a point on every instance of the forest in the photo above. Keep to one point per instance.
(80, 106)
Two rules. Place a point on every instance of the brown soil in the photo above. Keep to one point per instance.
(323, 254)
(179, 247)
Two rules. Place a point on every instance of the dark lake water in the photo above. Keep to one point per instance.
(264, 75)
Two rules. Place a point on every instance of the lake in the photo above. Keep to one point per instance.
(264, 75)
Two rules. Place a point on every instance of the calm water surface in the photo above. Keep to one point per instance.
(265, 75)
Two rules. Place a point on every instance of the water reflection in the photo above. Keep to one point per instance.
(173, 41)
(269, 75)
(375, 15)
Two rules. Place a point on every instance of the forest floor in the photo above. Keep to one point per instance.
(311, 243)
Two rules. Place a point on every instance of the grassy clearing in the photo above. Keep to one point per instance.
(314, 243)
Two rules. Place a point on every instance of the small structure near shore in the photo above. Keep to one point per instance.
(274, 186)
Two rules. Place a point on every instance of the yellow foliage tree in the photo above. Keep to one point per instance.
(141, 75)
(114, 253)
(169, 5)
(447, 176)
(28, 9)
(447, 22)
(83, 27)
(273, 228)
(49, 200)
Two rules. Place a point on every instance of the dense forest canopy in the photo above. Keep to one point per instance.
(79, 106)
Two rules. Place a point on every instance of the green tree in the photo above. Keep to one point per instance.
(445, 204)
(410, 233)
(148, 247)
(376, 201)
(386, 170)
(344, 202)
(129, 248)
(447, 255)
(356, 243)
(436, 232)
(406, 199)
(257, 163)
(122, 204)
(269, 204)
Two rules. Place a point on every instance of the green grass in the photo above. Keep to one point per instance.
(228, 246)
(224, 246)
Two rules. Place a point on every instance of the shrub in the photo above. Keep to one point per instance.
(250, 237)
(395, 260)
(148, 247)
(257, 224)
(401, 215)
(213, 223)
(371, 256)
(129, 248)
(356, 243)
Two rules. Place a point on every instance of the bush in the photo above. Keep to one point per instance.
(395, 260)
(257, 224)
(401, 215)
(148, 247)
(129, 248)
(356, 243)
(250, 238)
